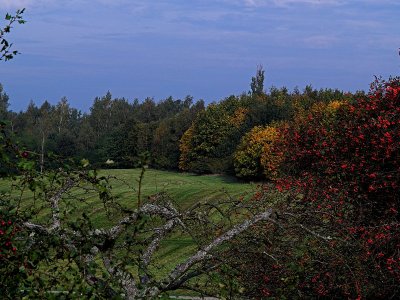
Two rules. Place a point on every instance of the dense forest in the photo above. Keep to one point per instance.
(173, 134)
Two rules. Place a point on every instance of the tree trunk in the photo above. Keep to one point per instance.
(42, 155)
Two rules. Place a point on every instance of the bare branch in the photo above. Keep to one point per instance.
(55, 210)
(156, 239)
(325, 238)
(36, 228)
(124, 278)
(180, 282)
(205, 252)
(151, 209)
(195, 265)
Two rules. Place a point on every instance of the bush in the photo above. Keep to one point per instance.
(253, 157)
(338, 234)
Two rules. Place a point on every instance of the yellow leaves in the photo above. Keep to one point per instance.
(325, 112)
(271, 160)
(185, 148)
(238, 116)
(334, 106)
(247, 155)
(254, 155)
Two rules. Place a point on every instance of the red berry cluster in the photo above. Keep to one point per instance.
(7, 233)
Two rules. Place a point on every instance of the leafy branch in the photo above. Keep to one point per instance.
(5, 46)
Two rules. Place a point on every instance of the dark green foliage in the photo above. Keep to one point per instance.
(257, 82)
(5, 46)
(4, 114)
(115, 130)
(215, 134)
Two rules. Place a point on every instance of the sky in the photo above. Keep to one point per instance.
(81, 49)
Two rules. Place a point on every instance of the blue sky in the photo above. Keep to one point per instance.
(208, 49)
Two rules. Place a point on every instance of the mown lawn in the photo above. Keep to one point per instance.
(184, 189)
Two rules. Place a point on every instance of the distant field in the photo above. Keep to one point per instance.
(185, 189)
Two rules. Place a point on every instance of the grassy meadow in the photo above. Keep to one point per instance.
(184, 189)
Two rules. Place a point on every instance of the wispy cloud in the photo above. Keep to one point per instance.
(284, 3)
(11, 4)
(18, 4)
(320, 41)
(308, 2)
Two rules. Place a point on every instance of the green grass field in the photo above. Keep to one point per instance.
(184, 189)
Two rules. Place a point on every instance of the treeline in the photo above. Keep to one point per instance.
(115, 132)
(172, 133)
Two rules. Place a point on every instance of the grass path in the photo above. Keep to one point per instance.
(184, 188)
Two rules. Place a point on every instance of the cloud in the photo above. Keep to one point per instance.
(286, 3)
(308, 2)
(19, 4)
(324, 2)
(7, 4)
(320, 41)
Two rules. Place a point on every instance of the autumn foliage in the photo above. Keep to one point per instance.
(254, 157)
(207, 146)
(341, 176)
(353, 147)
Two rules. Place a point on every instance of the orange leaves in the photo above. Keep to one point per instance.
(254, 156)
(238, 116)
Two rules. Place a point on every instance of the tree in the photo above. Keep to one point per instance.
(3, 104)
(257, 82)
(253, 156)
(45, 126)
(5, 47)
(165, 148)
(62, 111)
(209, 143)
(100, 115)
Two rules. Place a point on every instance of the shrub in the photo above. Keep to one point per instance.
(338, 235)
(253, 157)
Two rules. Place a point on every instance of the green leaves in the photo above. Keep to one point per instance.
(85, 162)
(26, 165)
(5, 51)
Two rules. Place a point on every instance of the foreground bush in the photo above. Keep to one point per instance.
(338, 232)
